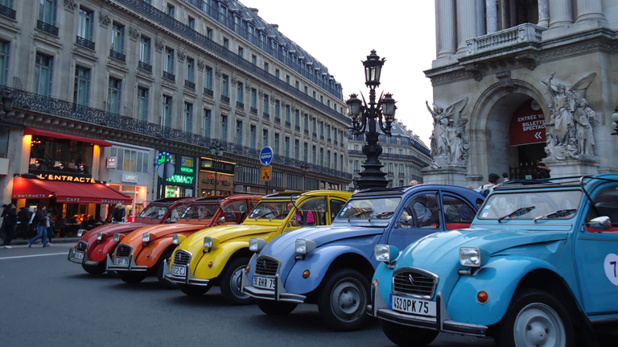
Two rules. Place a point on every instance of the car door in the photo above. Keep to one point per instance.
(419, 217)
(596, 256)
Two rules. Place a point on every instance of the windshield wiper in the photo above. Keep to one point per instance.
(557, 214)
(518, 212)
(384, 214)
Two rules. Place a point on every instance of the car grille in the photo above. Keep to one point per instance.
(123, 251)
(82, 246)
(182, 258)
(267, 266)
(415, 282)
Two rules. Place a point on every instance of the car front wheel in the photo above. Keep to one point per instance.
(132, 277)
(405, 336)
(535, 318)
(192, 290)
(275, 308)
(231, 281)
(95, 269)
(342, 300)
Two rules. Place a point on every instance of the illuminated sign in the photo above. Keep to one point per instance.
(164, 157)
(111, 162)
(180, 179)
(66, 178)
(188, 170)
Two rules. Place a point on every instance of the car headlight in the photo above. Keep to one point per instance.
(256, 245)
(80, 232)
(116, 237)
(99, 236)
(470, 256)
(386, 253)
(304, 246)
(210, 243)
(178, 238)
(146, 237)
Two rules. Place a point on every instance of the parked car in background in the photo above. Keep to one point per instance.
(218, 255)
(332, 266)
(537, 267)
(93, 247)
(143, 251)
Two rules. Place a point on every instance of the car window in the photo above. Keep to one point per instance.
(271, 210)
(335, 207)
(154, 211)
(606, 204)
(311, 212)
(457, 213)
(529, 205)
(370, 208)
(200, 211)
(423, 211)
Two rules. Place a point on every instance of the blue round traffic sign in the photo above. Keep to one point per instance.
(266, 156)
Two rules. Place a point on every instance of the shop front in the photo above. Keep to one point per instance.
(176, 175)
(216, 177)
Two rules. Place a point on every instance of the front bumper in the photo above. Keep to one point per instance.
(79, 257)
(442, 322)
(124, 264)
(187, 278)
(279, 294)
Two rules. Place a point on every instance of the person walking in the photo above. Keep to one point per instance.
(488, 187)
(10, 222)
(40, 223)
(118, 214)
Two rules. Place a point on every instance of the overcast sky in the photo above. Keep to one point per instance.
(342, 33)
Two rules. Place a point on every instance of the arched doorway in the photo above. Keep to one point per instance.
(527, 140)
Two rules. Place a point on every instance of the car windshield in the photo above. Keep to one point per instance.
(200, 211)
(154, 211)
(531, 205)
(370, 209)
(271, 210)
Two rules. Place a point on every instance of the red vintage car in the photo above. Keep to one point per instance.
(92, 249)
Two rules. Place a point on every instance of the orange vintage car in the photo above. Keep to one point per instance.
(143, 251)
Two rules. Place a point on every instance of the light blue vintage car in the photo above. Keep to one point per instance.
(537, 267)
(332, 266)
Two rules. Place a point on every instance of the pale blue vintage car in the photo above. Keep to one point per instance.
(332, 266)
(537, 267)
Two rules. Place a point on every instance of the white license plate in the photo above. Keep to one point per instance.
(79, 255)
(413, 306)
(121, 261)
(264, 282)
(179, 270)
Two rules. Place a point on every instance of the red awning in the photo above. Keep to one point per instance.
(67, 192)
(57, 135)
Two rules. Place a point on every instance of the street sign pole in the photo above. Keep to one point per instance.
(266, 157)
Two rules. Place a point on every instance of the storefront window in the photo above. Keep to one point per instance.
(60, 155)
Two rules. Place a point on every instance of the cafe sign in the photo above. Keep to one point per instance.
(66, 178)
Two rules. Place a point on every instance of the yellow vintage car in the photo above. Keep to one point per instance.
(218, 255)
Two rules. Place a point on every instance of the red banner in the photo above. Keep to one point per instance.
(528, 124)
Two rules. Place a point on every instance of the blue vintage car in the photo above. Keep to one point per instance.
(332, 266)
(537, 267)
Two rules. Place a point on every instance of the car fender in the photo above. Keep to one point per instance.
(149, 255)
(499, 278)
(384, 275)
(219, 258)
(100, 250)
(318, 263)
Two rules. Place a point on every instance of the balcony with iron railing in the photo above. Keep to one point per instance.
(84, 42)
(7, 12)
(46, 27)
(190, 84)
(208, 92)
(169, 76)
(117, 55)
(144, 66)
(23, 101)
(525, 35)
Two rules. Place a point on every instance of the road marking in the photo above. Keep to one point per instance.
(31, 256)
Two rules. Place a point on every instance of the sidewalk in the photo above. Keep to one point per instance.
(71, 240)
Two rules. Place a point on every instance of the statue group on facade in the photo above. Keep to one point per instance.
(449, 139)
(568, 127)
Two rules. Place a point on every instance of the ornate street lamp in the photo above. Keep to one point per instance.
(304, 168)
(216, 151)
(364, 119)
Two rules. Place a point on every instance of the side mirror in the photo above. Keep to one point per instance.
(601, 223)
(221, 220)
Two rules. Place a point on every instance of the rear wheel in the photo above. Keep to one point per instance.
(231, 281)
(535, 318)
(343, 300)
(132, 277)
(275, 308)
(161, 270)
(194, 290)
(406, 336)
(95, 269)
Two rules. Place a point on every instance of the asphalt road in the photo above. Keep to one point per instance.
(48, 301)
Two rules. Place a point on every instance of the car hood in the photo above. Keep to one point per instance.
(160, 230)
(442, 249)
(225, 232)
(108, 230)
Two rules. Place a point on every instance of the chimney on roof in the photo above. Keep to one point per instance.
(276, 27)
(254, 10)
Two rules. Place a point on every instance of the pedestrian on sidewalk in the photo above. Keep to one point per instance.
(40, 223)
(10, 223)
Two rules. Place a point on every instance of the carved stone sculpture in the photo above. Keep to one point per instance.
(449, 139)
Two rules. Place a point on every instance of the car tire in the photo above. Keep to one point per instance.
(405, 336)
(95, 269)
(535, 318)
(192, 290)
(343, 299)
(275, 308)
(230, 282)
(161, 271)
(131, 277)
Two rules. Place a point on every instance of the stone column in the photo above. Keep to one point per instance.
(480, 18)
(543, 13)
(589, 10)
(560, 13)
(491, 16)
(466, 23)
(505, 16)
(445, 28)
